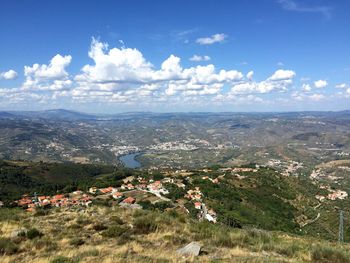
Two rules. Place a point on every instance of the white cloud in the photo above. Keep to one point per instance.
(124, 76)
(306, 87)
(342, 86)
(280, 81)
(300, 96)
(125, 69)
(8, 75)
(320, 84)
(282, 74)
(317, 97)
(291, 5)
(217, 38)
(250, 75)
(55, 70)
(48, 77)
(198, 58)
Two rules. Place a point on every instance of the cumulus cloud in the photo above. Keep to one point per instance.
(320, 84)
(198, 58)
(282, 74)
(216, 38)
(124, 76)
(250, 75)
(48, 77)
(306, 87)
(300, 96)
(8, 75)
(126, 69)
(280, 80)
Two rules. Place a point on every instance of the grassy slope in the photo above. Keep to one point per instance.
(119, 235)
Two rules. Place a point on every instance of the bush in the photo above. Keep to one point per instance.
(33, 233)
(329, 255)
(145, 225)
(99, 227)
(7, 214)
(113, 231)
(7, 246)
(41, 212)
(81, 220)
(62, 259)
(76, 242)
(117, 220)
(45, 243)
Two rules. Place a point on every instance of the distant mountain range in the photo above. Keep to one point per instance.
(70, 115)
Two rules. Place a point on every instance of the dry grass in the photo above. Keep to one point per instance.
(144, 236)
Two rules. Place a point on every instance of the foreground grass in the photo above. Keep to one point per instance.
(122, 235)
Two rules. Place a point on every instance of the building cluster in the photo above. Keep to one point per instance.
(214, 181)
(333, 195)
(195, 195)
(76, 198)
(173, 146)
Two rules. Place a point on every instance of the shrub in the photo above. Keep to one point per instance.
(256, 237)
(33, 233)
(41, 212)
(46, 243)
(329, 255)
(113, 231)
(117, 220)
(62, 259)
(81, 220)
(7, 214)
(145, 225)
(99, 227)
(289, 250)
(7, 246)
(76, 242)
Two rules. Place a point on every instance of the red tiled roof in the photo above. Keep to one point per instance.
(129, 200)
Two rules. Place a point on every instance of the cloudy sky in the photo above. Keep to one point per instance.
(183, 55)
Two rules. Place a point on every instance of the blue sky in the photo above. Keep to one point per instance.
(117, 56)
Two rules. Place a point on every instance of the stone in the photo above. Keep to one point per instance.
(18, 232)
(192, 249)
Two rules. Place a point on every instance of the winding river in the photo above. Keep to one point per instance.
(129, 160)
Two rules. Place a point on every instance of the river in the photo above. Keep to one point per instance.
(129, 160)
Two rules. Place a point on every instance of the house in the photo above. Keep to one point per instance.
(130, 186)
(129, 200)
(168, 180)
(117, 195)
(93, 190)
(198, 205)
(107, 190)
(141, 186)
(58, 197)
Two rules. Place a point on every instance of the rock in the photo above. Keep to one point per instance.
(192, 249)
(18, 232)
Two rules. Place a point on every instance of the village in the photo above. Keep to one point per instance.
(132, 192)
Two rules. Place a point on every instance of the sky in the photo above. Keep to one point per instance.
(169, 56)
